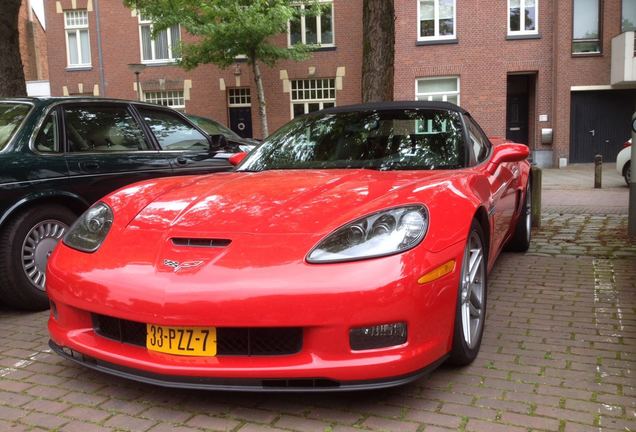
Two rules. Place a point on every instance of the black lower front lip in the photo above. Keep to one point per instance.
(242, 384)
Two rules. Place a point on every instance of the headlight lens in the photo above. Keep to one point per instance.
(89, 231)
(384, 233)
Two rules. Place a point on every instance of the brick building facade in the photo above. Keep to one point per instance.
(33, 49)
(522, 67)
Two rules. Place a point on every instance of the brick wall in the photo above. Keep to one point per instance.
(121, 46)
(32, 45)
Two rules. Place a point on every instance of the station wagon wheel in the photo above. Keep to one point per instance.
(36, 248)
(26, 242)
(470, 313)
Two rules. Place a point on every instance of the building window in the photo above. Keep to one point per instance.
(309, 95)
(239, 97)
(523, 17)
(436, 19)
(438, 89)
(313, 30)
(171, 98)
(78, 49)
(628, 17)
(161, 49)
(586, 28)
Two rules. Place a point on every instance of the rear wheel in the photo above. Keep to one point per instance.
(520, 240)
(470, 312)
(627, 172)
(25, 245)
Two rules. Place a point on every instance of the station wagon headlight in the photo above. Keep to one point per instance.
(383, 233)
(89, 231)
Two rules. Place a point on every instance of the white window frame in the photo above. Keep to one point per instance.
(77, 29)
(303, 32)
(522, 20)
(305, 102)
(165, 95)
(239, 97)
(171, 58)
(436, 20)
(429, 96)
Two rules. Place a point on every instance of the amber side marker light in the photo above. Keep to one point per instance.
(440, 271)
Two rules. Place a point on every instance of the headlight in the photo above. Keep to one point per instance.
(89, 231)
(383, 233)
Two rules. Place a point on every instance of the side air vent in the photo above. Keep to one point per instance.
(200, 242)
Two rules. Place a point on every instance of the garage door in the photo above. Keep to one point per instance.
(600, 123)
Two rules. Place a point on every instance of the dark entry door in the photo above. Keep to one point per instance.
(517, 109)
(241, 121)
(600, 123)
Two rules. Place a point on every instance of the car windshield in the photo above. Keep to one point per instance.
(214, 128)
(412, 139)
(11, 117)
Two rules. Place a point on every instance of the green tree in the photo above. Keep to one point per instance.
(12, 82)
(227, 29)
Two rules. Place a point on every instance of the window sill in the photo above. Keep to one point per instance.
(78, 68)
(160, 63)
(437, 42)
(596, 54)
(319, 48)
(523, 36)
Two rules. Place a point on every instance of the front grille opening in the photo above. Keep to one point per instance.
(300, 383)
(200, 242)
(231, 341)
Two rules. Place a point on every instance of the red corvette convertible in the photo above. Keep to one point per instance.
(349, 251)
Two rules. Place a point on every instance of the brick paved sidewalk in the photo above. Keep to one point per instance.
(558, 354)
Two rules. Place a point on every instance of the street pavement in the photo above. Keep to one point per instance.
(558, 352)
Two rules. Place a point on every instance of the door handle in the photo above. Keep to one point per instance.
(593, 132)
(515, 129)
(181, 160)
(89, 166)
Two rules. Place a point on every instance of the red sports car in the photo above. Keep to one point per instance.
(349, 251)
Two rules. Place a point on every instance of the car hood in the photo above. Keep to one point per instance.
(275, 202)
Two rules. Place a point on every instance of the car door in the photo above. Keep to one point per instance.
(503, 185)
(187, 148)
(106, 148)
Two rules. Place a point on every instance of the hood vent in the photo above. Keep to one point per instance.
(200, 242)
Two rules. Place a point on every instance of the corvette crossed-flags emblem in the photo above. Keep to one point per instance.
(176, 265)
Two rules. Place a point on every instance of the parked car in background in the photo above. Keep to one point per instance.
(350, 250)
(59, 155)
(624, 161)
(212, 127)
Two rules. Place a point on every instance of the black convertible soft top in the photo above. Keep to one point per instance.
(397, 105)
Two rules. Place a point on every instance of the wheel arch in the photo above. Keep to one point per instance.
(73, 202)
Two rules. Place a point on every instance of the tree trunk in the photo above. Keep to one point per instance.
(262, 106)
(11, 72)
(378, 27)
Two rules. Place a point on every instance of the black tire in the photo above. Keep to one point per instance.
(16, 289)
(464, 352)
(627, 172)
(520, 240)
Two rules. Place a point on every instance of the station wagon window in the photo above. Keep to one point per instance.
(172, 132)
(47, 139)
(436, 19)
(161, 49)
(102, 129)
(586, 27)
(313, 29)
(309, 95)
(78, 49)
(11, 117)
(523, 17)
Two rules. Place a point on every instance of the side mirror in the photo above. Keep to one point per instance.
(217, 142)
(507, 152)
(237, 158)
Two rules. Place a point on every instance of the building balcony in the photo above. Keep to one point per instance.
(623, 60)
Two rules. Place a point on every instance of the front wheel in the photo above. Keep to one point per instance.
(25, 245)
(470, 313)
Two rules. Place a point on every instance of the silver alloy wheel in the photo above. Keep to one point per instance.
(36, 248)
(472, 290)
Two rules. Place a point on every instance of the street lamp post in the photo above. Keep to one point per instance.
(137, 69)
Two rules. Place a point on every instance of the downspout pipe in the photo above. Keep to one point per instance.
(100, 53)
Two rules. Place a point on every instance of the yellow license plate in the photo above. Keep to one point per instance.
(186, 341)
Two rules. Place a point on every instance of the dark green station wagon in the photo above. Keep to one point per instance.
(59, 155)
